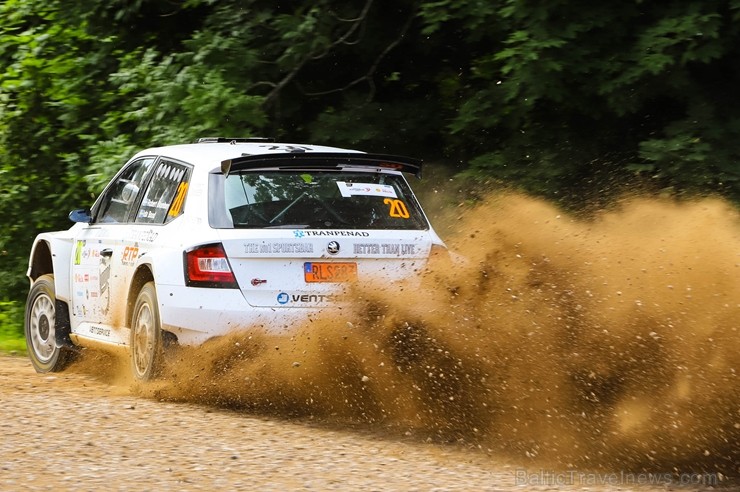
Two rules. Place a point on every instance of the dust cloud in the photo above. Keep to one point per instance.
(606, 342)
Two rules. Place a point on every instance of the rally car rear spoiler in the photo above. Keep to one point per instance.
(322, 159)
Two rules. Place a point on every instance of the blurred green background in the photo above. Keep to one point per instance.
(575, 101)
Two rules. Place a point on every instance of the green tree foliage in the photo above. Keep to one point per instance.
(560, 98)
(48, 105)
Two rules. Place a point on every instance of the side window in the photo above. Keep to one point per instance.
(164, 199)
(120, 197)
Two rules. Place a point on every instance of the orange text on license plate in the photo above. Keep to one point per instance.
(329, 272)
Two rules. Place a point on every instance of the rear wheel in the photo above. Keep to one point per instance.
(146, 335)
(39, 325)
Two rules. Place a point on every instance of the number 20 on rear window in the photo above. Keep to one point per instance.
(397, 208)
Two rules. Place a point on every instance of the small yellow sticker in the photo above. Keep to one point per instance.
(179, 200)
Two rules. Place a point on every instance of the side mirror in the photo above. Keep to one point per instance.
(80, 215)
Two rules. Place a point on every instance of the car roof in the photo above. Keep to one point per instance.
(212, 153)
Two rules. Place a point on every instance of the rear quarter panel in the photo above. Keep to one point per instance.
(61, 246)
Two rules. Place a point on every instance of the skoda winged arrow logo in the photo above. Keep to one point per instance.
(332, 248)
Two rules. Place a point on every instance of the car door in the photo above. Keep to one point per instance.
(150, 235)
(98, 266)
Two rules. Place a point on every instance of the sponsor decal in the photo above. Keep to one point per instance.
(149, 215)
(332, 248)
(100, 331)
(148, 202)
(78, 252)
(368, 189)
(323, 233)
(90, 253)
(314, 298)
(278, 248)
(290, 248)
(251, 248)
(144, 235)
(285, 298)
(130, 253)
(398, 249)
(81, 278)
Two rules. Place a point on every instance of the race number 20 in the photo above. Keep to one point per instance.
(397, 208)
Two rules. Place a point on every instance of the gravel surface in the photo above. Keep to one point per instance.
(72, 431)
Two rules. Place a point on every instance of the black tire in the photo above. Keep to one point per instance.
(146, 335)
(46, 354)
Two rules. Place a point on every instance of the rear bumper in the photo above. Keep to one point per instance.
(196, 314)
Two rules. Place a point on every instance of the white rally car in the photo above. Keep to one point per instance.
(188, 242)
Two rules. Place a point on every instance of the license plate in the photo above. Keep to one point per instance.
(317, 271)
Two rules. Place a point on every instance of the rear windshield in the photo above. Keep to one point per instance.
(313, 200)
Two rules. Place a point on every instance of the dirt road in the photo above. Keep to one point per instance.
(72, 431)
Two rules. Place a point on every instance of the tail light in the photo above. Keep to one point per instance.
(208, 266)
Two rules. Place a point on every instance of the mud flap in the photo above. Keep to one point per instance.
(62, 327)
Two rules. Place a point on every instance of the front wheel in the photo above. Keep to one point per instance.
(146, 335)
(39, 325)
